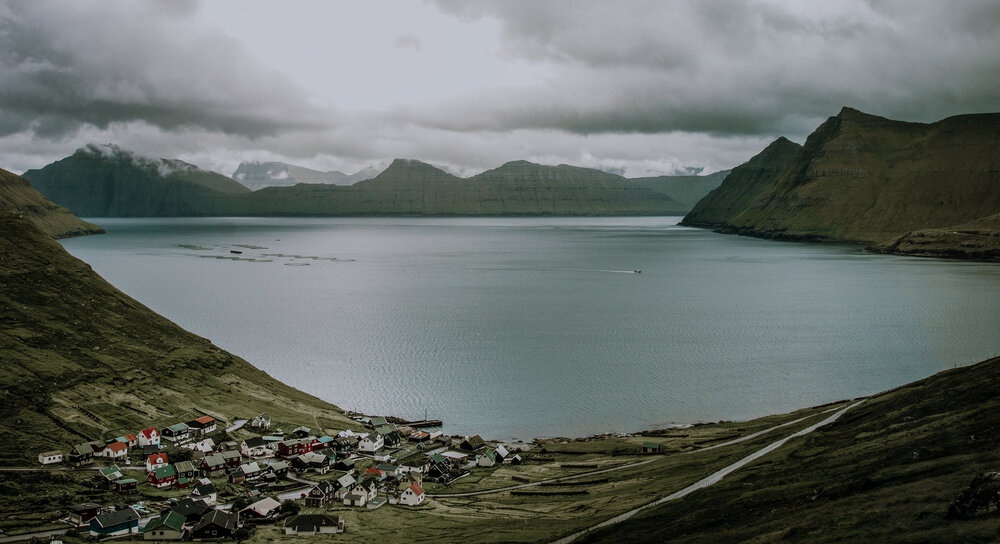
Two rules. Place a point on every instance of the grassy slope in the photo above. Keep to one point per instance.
(83, 361)
(17, 195)
(886, 472)
(867, 179)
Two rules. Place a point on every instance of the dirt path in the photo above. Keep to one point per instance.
(712, 478)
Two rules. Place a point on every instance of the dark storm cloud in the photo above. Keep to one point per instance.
(727, 67)
(69, 65)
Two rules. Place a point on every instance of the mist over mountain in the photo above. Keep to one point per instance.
(865, 179)
(107, 181)
(257, 175)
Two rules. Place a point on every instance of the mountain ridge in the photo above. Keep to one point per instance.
(860, 178)
(115, 187)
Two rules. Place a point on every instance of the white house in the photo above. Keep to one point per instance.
(49, 457)
(487, 459)
(156, 461)
(412, 496)
(148, 437)
(116, 450)
(371, 443)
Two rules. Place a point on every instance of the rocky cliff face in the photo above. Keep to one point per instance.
(18, 198)
(107, 181)
(862, 178)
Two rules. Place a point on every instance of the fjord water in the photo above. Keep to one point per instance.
(531, 327)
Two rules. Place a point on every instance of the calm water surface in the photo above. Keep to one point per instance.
(522, 328)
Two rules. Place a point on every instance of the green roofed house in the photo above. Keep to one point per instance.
(169, 526)
(650, 447)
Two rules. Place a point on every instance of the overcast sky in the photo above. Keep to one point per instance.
(635, 87)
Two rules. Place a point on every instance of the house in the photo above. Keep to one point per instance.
(215, 525)
(148, 437)
(345, 463)
(374, 473)
(473, 443)
(321, 494)
(50, 457)
(362, 494)
(280, 468)
(176, 433)
(265, 508)
(344, 485)
(125, 484)
(233, 459)
(301, 432)
(457, 459)
(204, 446)
(169, 526)
(205, 491)
(371, 443)
(109, 475)
(116, 450)
(117, 523)
(186, 469)
(164, 476)
(229, 445)
(98, 448)
(201, 426)
(213, 465)
(81, 454)
(248, 473)
(311, 524)
(377, 422)
(502, 453)
(390, 470)
(412, 495)
(81, 514)
(156, 461)
(650, 447)
(130, 439)
(190, 509)
(295, 446)
(260, 423)
(312, 461)
(487, 459)
(255, 447)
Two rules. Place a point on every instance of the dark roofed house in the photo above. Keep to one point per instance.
(215, 525)
(311, 524)
(178, 432)
(473, 443)
(321, 494)
(117, 523)
(169, 526)
(81, 514)
(191, 509)
(213, 465)
(81, 454)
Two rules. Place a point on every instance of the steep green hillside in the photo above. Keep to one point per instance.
(109, 182)
(18, 197)
(687, 190)
(862, 178)
(83, 361)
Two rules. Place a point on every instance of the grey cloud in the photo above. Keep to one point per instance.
(69, 65)
(731, 67)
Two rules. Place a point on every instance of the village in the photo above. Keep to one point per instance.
(277, 475)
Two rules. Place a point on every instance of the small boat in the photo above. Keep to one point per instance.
(236, 251)
(637, 271)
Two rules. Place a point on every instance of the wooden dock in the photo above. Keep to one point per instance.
(424, 423)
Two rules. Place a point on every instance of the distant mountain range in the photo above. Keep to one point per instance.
(109, 182)
(921, 189)
(257, 175)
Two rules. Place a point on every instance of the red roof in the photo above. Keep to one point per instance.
(373, 470)
(205, 420)
(157, 458)
(416, 489)
(148, 433)
(117, 446)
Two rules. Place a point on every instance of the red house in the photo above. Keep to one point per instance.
(162, 477)
(296, 447)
